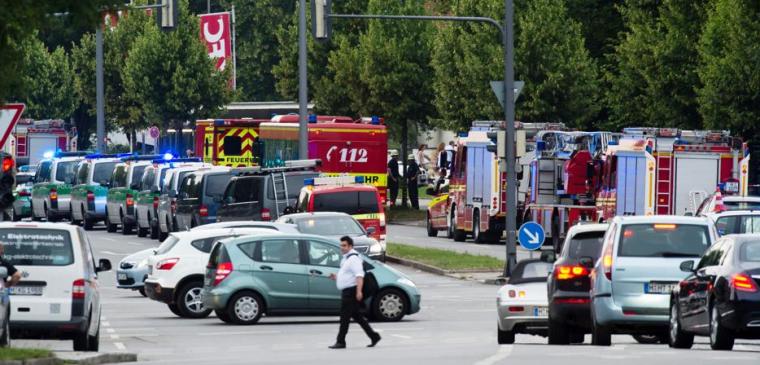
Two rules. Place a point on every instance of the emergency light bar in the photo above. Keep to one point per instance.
(334, 180)
(102, 155)
(142, 158)
(190, 159)
(286, 166)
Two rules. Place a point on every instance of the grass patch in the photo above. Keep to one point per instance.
(23, 354)
(401, 214)
(444, 259)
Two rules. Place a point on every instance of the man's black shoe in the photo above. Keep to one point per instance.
(338, 345)
(375, 340)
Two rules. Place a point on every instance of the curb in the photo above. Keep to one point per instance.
(408, 223)
(39, 361)
(461, 275)
(96, 359)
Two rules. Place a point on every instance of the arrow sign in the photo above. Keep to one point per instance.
(9, 116)
(531, 235)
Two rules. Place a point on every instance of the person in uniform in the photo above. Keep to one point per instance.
(14, 276)
(350, 281)
(412, 176)
(393, 178)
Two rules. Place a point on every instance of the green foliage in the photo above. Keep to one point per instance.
(601, 24)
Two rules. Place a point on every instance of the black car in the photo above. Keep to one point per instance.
(199, 196)
(569, 285)
(720, 298)
(260, 194)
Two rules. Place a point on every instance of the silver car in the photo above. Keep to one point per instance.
(133, 270)
(522, 305)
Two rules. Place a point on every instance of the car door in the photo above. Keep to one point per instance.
(282, 270)
(700, 286)
(93, 289)
(324, 259)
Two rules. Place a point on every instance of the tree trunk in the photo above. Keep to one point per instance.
(133, 139)
(404, 143)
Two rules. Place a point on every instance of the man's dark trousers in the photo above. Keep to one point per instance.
(413, 194)
(393, 191)
(349, 308)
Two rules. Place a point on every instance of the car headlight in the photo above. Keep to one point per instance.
(143, 263)
(406, 282)
(375, 248)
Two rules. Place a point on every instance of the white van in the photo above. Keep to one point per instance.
(58, 295)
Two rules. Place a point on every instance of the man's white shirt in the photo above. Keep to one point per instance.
(350, 269)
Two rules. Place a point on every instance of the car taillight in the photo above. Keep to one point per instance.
(167, 264)
(53, 194)
(743, 282)
(155, 202)
(130, 200)
(90, 196)
(516, 309)
(607, 262)
(567, 272)
(24, 193)
(203, 211)
(7, 163)
(265, 214)
(77, 289)
(572, 300)
(173, 206)
(223, 270)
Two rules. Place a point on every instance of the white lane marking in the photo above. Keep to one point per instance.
(403, 337)
(503, 353)
(120, 346)
(110, 330)
(105, 324)
(108, 239)
(114, 337)
(133, 243)
(113, 253)
(239, 333)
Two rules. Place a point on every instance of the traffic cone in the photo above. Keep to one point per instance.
(719, 207)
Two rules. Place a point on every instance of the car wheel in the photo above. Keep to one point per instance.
(222, 315)
(721, 338)
(5, 339)
(15, 217)
(504, 337)
(431, 232)
(559, 334)
(81, 342)
(389, 306)
(459, 234)
(88, 223)
(577, 336)
(477, 235)
(189, 301)
(125, 228)
(48, 216)
(600, 335)
(174, 309)
(154, 231)
(93, 342)
(110, 227)
(677, 338)
(142, 292)
(245, 308)
(75, 222)
(141, 232)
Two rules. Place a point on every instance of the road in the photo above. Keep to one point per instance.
(455, 326)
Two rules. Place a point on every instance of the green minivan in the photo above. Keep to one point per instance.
(88, 196)
(286, 274)
(122, 192)
(51, 193)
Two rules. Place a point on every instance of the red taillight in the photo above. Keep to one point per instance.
(7, 163)
(567, 272)
(155, 202)
(24, 193)
(53, 194)
(265, 214)
(167, 264)
(572, 300)
(90, 197)
(130, 200)
(607, 262)
(743, 282)
(77, 289)
(223, 270)
(173, 206)
(516, 309)
(203, 211)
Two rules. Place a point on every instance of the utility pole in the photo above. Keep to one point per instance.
(303, 84)
(99, 97)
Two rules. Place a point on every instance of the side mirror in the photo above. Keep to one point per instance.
(183, 195)
(687, 266)
(103, 265)
(586, 261)
(134, 186)
(3, 273)
(430, 191)
(370, 230)
(548, 256)
(105, 183)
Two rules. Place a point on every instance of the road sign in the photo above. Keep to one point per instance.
(154, 132)
(9, 116)
(498, 89)
(531, 235)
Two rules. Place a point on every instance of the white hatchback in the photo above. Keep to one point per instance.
(58, 296)
(176, 271)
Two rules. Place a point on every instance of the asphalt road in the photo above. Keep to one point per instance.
(455, 326)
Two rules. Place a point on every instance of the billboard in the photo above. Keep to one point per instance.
(215, 32)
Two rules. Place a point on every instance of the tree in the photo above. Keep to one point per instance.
(653, 76)
(601, 24)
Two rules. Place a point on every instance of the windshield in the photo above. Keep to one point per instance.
(587, 244)
(103, 171)
(349, 202)
(664, 240)
(23, 179)
(750, 252)
(37, 247)
(330, 226)
(43, 173)
(740, 205)
(738, 224)
(65, 170)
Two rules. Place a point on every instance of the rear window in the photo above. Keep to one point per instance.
(738, 224)
(205, 244)
(349, 202)
(23, 179)
(103, 171)
(148, 179)
(119, 178)
(216, 184)
(137, 173)
(83, 173)
(65, 170)
(189, 186)
(741, 205)
(531, 271)
(750, 252)
(243, 190)
(664, 240)
(179, 178)
(167, 245)
(37, 247)
(587, 244)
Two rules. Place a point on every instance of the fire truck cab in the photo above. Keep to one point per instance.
(228, 142)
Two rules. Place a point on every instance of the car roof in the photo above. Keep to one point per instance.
(583, 228)
(68, 158)
(741, 238)
(732, 213)
(316, 214)
(211, 170)
(39, 225)
(735, 198)
(340, 188)
(285, 235)
(253, 224)
(206, 233)
(677, 219)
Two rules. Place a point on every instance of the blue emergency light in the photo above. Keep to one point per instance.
(375, 120)
(312, 118)
(48, 154)
(540, 146)
(308, 182)
(103, 155)
(168, 156)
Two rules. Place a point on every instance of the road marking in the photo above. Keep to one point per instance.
(113, 253)
(403, 337)
(239, 333)
(503, 353)
(110, 330)
(106, 324)
(114, 337)
(120, 346)
(108, 239)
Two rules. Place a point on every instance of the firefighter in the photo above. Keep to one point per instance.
(393, 178)
(412, 175)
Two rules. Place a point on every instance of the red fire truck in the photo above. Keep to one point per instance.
(228, 142)
(35, 138)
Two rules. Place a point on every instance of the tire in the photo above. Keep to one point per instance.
(245, 308)
(75, 222)
(677, 338)
(142, 292)
(34, 217)
(154, 231)
(162, 236)
(478, 235)
(504, 337)
(649, 339)
(174, 309)
(5, 339)
(81, 339)
(721, 338)
(559, 333)
(49, 217)
(222, 315)
(141, 232)
(126, 229)
(88, 223)
(431, 232)
(577, 336)
(110, 227)
(600, 335)
(450, 228)
(389, 305)
(93, 342)
(188, 301)
(459, 235)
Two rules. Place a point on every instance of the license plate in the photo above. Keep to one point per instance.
(122, 276)
(659, 288)
(541, 312)
(25, 290)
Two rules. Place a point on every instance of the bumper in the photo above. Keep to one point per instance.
(215, 298)
(630, 319)
(49, 330)
(574, 311)
(527, 320)
(156, 292)
(743, 317)
(22, 208)
(130, 278)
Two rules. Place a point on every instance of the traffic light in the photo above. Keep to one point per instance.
(499, 138)
(321, 25)
(7, 180)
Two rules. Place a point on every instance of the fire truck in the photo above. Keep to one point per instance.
(35, 138)
(658, 170)
(344, 145)
(228, 142)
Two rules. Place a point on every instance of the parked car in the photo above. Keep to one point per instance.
(120, 201)
(720, 297)
(51, 194)
(175, 271)
(199, 196)
(5, 310)
(22, 205)
(569, 284)
(281, 274)
(59, 295)
(260, 194)
(736, 221)
(521, 305)
(335, 225)
(730, 202)
(167, 201)
(133, 270)
(275, 226)
(88, 196)
(638, 268)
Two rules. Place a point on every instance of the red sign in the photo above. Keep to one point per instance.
(9, 115)
(215, 32)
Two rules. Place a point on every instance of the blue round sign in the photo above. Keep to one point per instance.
(531, 235)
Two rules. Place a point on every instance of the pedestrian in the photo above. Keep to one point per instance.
(440, 157)
(412, 175)
(421, 158)
(393, 178)
(13, 273)
(350, 281)
(441, 183)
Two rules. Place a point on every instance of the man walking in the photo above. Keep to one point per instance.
(350, 281)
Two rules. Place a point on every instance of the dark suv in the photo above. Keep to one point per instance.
(260, 196)
(199, 195)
